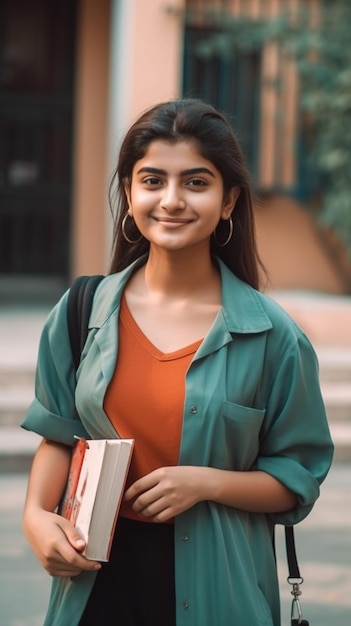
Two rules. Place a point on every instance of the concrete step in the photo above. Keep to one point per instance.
(13, 376)
(337, 399)
(335, 379)
(335, 365)
(16, 393)
(341, 435)
(17, 448)
(13, 406)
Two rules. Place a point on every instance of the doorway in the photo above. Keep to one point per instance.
(37, 59)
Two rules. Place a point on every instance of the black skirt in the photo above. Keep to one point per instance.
(136, 586)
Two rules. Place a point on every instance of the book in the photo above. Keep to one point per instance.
(94, 491)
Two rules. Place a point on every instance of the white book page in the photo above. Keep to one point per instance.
(107, 504)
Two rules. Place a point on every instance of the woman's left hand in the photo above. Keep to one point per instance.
(167, 492)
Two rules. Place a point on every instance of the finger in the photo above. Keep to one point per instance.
(140, 486)
(162, 516)
(146, 483)
(149, 507)
(69, 570)
(147, 498)
(63, 572)
(70, 550)
(77, 561)
(62, 564)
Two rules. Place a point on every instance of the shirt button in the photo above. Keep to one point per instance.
(185, 537)
(185, 605)
(193, 410)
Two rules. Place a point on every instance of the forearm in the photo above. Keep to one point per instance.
(256, 491)
(48, 476)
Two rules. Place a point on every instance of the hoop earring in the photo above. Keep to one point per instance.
(231, 230)
(123, 229)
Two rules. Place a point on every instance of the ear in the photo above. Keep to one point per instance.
(229, 202)
(127, 191)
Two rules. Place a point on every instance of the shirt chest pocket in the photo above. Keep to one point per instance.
(237, 436)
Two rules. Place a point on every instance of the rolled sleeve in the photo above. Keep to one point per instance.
(49, 425)
(53, 414)
(296, 478)
(296, 446)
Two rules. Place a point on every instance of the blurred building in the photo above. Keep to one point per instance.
(75, 73)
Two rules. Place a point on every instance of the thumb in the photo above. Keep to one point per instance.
(78, 543)
(74, 537)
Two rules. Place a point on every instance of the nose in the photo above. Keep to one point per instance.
(172, 199)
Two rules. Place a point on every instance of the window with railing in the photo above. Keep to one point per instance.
(230, 83)
(256, 84)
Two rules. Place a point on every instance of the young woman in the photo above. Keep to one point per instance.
(216, 384)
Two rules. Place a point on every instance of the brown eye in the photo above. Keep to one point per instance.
(197, 182)
(152, 181)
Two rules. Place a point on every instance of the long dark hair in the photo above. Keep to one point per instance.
(214, 138)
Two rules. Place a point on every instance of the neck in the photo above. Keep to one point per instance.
(180, 273)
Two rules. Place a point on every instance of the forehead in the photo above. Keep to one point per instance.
(169, 155)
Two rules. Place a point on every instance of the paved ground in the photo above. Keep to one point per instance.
(323, 545)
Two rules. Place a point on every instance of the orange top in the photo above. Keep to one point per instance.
(145, 399)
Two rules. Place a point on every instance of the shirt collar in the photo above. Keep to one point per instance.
(242, 306)
(242, 309)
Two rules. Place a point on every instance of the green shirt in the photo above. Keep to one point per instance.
(252, 401)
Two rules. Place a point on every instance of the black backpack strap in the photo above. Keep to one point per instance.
(294, 578)
(80, 300)
(293, 565)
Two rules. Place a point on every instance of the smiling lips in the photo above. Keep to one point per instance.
(175, 221)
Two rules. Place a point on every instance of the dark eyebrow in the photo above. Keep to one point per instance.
(190, 172)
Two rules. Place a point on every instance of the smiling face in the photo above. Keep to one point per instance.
(176, 196)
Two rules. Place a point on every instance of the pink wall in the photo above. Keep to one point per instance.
(291, 248)
(155, 53)
(91, 146)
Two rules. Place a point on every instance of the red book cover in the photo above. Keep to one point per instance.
(68, 503)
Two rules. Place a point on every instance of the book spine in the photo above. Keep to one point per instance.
(68, 502)
(114, 524)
